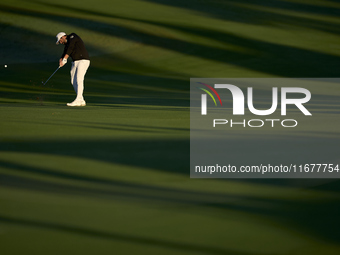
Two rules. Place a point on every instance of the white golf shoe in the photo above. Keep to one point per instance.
(77, 103)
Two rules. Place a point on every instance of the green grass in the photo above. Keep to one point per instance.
(114, 176)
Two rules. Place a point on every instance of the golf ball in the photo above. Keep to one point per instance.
(5, 66)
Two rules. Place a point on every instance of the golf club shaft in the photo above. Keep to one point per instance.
(52, 75)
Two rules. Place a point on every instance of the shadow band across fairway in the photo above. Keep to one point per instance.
(296, 213)
(120, 237)
(258, 55)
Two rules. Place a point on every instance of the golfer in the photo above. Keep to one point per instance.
(75, 48)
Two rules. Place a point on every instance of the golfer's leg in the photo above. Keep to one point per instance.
(82, 67)
(73, 76)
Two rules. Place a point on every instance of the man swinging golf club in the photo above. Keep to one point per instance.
(75, 48)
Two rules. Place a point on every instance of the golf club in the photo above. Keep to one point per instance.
(51, 75)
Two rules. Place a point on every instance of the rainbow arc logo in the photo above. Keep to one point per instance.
(204, 97)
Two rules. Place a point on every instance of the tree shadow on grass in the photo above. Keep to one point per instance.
(170, 156)
(129, 239)
(295, 213)
(244, 11)
(261, 12)
(266, 57)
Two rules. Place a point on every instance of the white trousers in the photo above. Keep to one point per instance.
(78, 71)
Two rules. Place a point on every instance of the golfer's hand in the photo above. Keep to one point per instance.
(62, 62)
